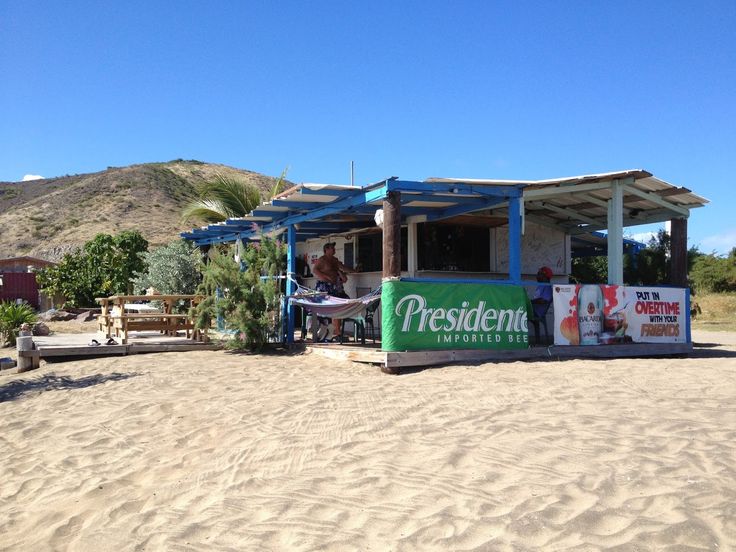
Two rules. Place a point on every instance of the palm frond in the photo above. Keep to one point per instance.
(222, 198)
(277, 188)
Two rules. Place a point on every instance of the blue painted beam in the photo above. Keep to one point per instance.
(339, 206)
(290, 287)
(442, 187)
(464, 208)
(515, 239)
(325, 225)
(371, 209)
(431, 198)
(297, 204)
(324, 192)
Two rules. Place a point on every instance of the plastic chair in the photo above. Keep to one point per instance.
(358, 329)
(539, 316)
(368, 318)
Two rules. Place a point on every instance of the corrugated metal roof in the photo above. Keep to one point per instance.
(575, 204)
(579, 203)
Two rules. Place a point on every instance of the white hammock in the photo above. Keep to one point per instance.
(328, 306)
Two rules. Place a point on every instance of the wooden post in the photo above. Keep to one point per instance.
(24, 344)
(678, 244)
(392, 235)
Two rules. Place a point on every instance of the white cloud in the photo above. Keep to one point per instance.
(722, 243)
(28, 177)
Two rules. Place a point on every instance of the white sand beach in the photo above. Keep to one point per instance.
(217, 451)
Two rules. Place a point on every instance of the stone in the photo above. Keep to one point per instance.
(39, 328)
(54, 315)
(86, 316)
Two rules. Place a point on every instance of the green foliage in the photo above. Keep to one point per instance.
(651, 266)
(714, 274)
(105, 266)
(222, 198)
(590, 270)
(250, 304)
(279, 186)
(12, 316)
(171, 269)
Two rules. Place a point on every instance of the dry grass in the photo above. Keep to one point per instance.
(72, 327)
(50, 217)
(717, 312)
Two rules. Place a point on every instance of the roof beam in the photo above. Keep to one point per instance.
(654, 198)
(461, 209)
(452, 188)
(653, 216)
(572, 215)
(565, 189)
(328, 192)
(359, 198)
(409, 198)
(297, 204)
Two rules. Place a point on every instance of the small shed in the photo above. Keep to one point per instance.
(18, 279)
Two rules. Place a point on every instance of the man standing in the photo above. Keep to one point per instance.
(330, 273)
(543, 294)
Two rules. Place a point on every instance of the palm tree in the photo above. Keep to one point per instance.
(227, 197)
(222, 198)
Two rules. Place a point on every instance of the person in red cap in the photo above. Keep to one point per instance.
(543, 294)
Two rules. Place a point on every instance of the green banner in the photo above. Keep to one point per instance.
(418, 316)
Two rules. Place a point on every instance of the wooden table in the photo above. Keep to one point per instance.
(114, 320)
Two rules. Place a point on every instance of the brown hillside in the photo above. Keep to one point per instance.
(47, 218)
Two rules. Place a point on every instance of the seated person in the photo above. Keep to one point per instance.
(543, 294)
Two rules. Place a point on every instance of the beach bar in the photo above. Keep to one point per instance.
(455, 259)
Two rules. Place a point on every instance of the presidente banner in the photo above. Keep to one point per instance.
(609, 315)
(421, 315)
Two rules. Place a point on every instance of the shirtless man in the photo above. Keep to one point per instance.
(330, 273)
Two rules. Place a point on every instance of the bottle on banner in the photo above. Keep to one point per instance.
(590, 314)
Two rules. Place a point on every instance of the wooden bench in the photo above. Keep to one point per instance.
(166, 323)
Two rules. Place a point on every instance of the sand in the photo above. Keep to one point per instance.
(216, 451)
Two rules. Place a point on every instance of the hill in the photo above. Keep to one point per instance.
(47, 218)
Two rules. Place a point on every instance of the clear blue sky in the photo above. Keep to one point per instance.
(518, 90)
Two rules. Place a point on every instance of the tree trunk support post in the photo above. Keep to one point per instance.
(392, 235)
(678, 245)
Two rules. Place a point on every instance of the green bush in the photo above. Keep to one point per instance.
(171, 269)
(106, 265)
(250, 306)
(714, 274)
(12, 316)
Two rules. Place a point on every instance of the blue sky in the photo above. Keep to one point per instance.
(518, 90)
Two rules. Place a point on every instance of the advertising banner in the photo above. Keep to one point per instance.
(608, 315)
(421, 315)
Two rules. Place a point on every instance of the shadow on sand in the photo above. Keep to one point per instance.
(50, 382)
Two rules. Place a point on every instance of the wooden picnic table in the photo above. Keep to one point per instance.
(115, 316)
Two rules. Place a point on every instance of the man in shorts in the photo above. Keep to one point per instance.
(331, 275)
